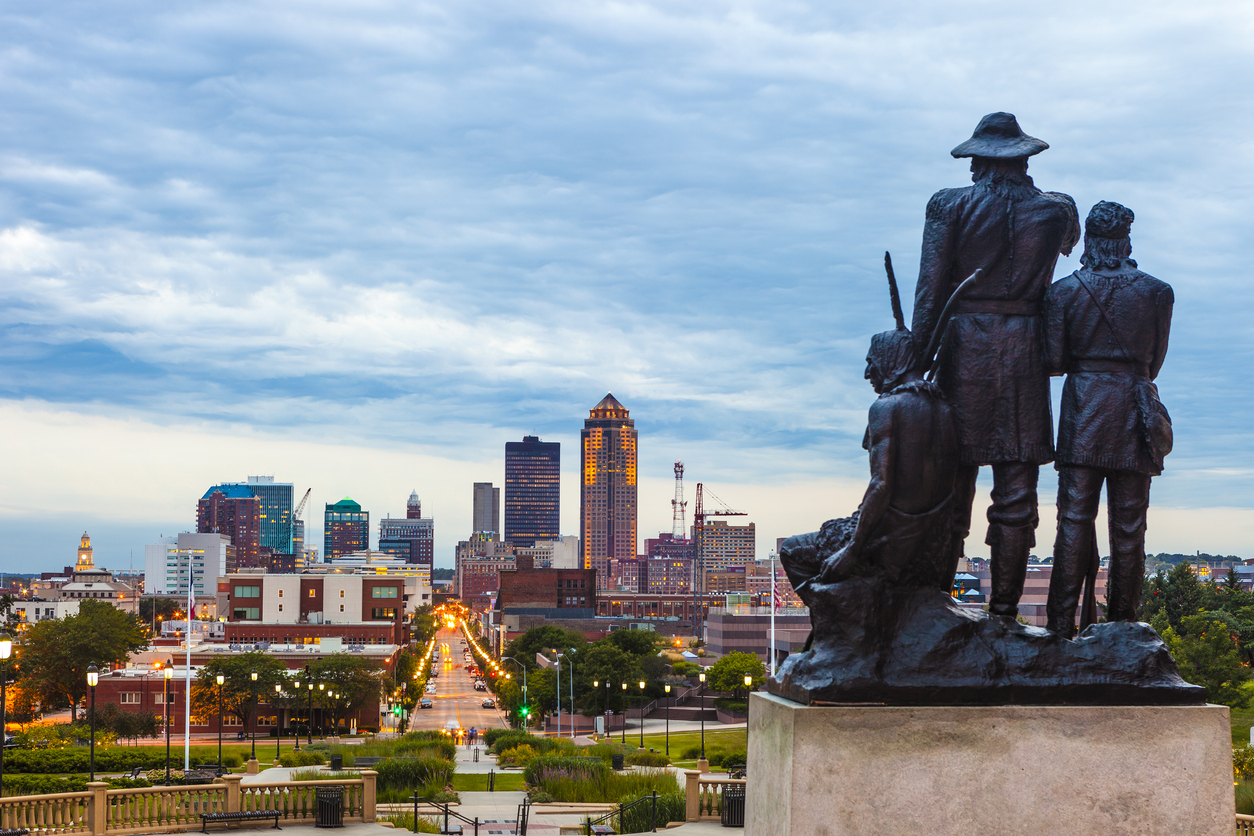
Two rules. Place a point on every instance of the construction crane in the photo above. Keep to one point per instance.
(699, 514)
(296, 517)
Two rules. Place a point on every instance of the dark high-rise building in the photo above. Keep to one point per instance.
(607, 497)
(532, 490)
(486, 508)
(412, 537)
(233, 510)
(346, 529)
(276, 512)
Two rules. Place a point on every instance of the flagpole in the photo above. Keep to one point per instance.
(773, 581)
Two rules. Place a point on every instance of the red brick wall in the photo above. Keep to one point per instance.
(548, 588)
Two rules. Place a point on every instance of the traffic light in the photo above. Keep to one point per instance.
(524, 711)
(396, 710)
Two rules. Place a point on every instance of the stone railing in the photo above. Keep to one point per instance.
(1245, 825)
(704, 795)
(101, 811)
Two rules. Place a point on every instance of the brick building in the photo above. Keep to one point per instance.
(234, 511)
(529, 588)
(345, 528)
(298, 608)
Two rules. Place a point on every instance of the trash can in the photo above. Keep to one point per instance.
(733, 806)
(330, 803)
(337, 763)
(616, 761)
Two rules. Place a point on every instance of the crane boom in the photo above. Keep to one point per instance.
(301, 507)
(699, 515)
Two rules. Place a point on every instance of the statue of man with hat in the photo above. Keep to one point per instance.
(991, 363)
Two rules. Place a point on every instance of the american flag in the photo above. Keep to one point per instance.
(774, 588)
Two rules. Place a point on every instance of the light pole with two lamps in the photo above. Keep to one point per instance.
(278, 728)
(702, 764)
(252, 759)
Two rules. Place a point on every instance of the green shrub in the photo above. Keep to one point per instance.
(232, 761)
(542, 768)
(490, 736)
(509, 739)
(405, 821)
(1242, 762)
(518, 756)
(567, 779)
(690, 753)
(671, 806)
(656, 759)
(304, 757)
(42, 784)
(61, 761)
(426, 775)
(732, 705)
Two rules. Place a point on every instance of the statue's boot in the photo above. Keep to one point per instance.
(1010, 546)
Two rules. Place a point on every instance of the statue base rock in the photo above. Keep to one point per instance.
(988, 770)
(876, 643)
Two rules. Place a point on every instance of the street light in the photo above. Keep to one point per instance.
(748, 699)
(253, 689)
(93, 676)
(165, 698)
(624, 704)
(322, 705)
(278, 729)
(221, 679)
(668, 720)
(701, 702)
(642, 714)
(6, 650)
(526, 711)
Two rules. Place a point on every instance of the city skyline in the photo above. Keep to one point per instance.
(363, 248)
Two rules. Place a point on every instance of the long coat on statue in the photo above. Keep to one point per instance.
(992, 362)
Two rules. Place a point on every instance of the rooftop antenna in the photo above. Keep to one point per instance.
(678, 530)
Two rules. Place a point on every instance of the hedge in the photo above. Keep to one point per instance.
(49, 784)
(112, 759)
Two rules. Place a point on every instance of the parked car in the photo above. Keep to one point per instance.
(480, 685)
(489, 703)
(425, 703)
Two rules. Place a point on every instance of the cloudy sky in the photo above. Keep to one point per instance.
(361, 245)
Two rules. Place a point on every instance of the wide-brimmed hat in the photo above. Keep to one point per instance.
(999, 135)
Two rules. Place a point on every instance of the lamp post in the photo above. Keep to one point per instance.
(624, 704)
(165, 698)
(93, 676)
(278, 728)
(221, 680)
(322, 706)
(668, 719)
(748, 695)
(526, 715)
(642, 714)
(253, 688)
(6, 650)
(701, 712)
(309, 715)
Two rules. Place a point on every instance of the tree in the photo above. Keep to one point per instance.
(424, 624)
(56, 653)
(602, 662)
(525, 647)
(728, 673)
(165, 609)
(635, 642)
(353, 679)
(1206, 651)
(1231, 582)
(237, 687)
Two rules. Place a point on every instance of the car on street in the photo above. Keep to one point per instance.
(425, 703)
(480, 685)
(488, 704)
(430, 687)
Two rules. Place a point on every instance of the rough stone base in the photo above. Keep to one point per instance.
(988, 770)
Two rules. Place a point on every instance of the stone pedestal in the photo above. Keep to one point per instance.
(252, 767)
(988, 770)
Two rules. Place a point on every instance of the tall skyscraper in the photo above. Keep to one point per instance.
(487, 508)
(276, 512)
(532, 490)
(411, 537)
(607, 497)
(234, 510)
(346, 529)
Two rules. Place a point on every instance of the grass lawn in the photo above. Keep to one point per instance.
(1242, 720)
(478, 781)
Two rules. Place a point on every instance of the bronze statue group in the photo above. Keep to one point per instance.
(968, 385)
